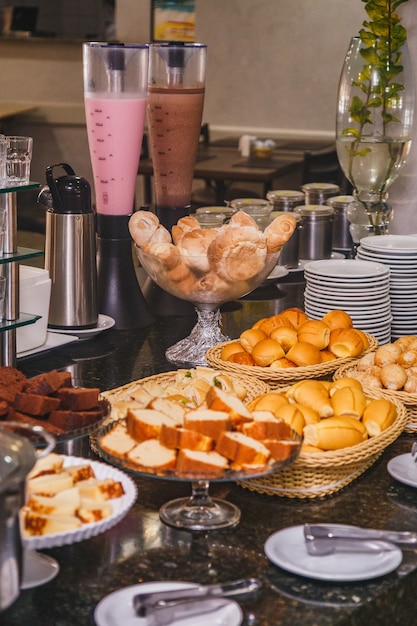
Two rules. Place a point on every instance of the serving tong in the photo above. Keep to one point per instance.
(325, 539)
(163, 607)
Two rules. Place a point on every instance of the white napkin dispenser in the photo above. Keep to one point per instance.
(35, 295)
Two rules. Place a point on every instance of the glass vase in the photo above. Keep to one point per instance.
(374, 121)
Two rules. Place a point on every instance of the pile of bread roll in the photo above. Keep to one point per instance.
(291, 339)
(392, 366)
(209, 264)
(329, 415)
(63, 498)
(209, 437)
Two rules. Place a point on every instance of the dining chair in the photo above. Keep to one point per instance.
(323, 167)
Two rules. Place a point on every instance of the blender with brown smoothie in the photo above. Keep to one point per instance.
(174, 112)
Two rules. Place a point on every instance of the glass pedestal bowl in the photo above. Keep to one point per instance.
(207, 282)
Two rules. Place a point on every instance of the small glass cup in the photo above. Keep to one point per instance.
(19, 157)
(3, 158)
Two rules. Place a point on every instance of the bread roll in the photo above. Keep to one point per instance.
(296, 316)
(193, 247)
(315, 332)
(393, 376)
(266, 351)
(408, 358)
(275, 321)
(311, 416)
(366, 361)
(242, 358)
(335, 433)
(282, 363)
(142, 226)
(309, 449)
(286, 337)
(346, 381)
(250, 337)
(184, 225)
(313, 395)
(231, 348)
(378, 416)
(279, 231)
(349, 401)
(337, 319)
(327, 356)
(293, 417)
(387, 354)
(345, 342)
(270, 401)
(304, 354)
(405, 342)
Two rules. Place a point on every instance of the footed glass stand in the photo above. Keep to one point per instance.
(205, 334)
(200, 511)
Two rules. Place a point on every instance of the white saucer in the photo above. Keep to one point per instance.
(346, 269)
(287, 549)
(117, 608)
(104, 323)
(404, 469)
(400, 244)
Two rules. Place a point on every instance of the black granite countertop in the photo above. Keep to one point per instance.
(141, 548)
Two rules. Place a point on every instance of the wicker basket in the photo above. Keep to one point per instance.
(321, 474)
(408, 399)
(283, 376)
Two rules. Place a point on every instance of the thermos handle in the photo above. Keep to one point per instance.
(52, 184)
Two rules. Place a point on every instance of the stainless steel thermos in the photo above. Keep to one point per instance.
(70, 250)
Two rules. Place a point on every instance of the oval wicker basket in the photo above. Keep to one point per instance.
(284, 376)
(408, 399)
(321, 474)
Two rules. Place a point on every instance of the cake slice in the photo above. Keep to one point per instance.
(65, 502)
(100, 489)
(265, 426)
(146, 424)
(49, 484)
(151, 454)
(177, 438)
(38, 524)
(198, 462)
(49, 464)
(219, 400)
(242, 450)
(208, 422)
(281, 450)
(118, 441)
(93, 511)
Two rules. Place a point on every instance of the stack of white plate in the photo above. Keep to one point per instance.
(399, 253)
(361, 288)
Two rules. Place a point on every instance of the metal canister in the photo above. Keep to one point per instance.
(285, 199)
(289, 256)
(318, 193)
(316, 231)
(342, 239)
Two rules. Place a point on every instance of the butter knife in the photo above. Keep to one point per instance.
(144, 603)
(329, 531)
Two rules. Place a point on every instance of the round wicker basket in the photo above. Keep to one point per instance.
(321, 474)
(284, 376)
(408, 399)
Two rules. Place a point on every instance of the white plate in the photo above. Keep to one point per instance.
(279, 271)
(120, 509)
(404, 469)
(104, 323)
(287, 549)
(53, 340)
(346, 268)
(116, 609)
(399, 243)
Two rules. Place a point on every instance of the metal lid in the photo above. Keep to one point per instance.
(314, 210)
(285, 194)
(340, 202)
(321, 187)
(241, 203)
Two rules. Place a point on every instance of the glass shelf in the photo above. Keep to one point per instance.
(20, 255)
(8, 188)
(23, 320)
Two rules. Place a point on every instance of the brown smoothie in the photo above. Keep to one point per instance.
(174, 123)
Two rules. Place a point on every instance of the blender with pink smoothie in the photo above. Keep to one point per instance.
(115, 96)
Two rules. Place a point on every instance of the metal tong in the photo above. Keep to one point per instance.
(163, 607)
(324, 539)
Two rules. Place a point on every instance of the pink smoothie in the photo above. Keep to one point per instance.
(174, 123)
(115, 130)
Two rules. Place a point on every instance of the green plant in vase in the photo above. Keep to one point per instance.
(375, 109)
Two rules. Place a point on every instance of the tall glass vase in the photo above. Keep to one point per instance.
(374, 121)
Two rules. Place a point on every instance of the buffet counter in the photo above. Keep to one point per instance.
(141, 548)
